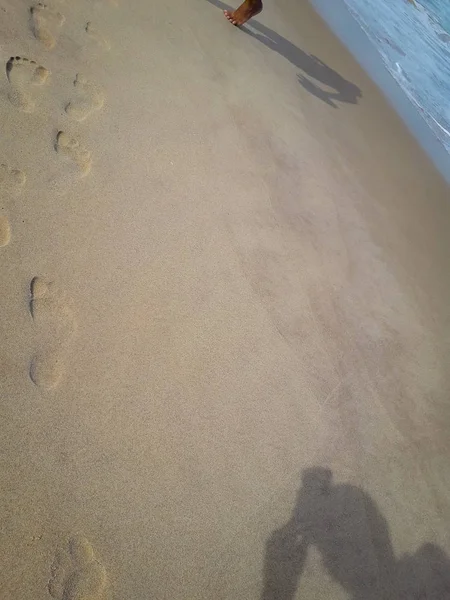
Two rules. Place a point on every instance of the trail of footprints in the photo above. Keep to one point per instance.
(26, 78)
(76, 574)
(53, 317)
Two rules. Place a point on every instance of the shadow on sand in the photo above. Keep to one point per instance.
(314, 72)
(344, 524)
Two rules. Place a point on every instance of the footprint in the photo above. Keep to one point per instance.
(70, 149)
(5, 231)
(97, 36)
(76, 574)
(88, 98)
(55, 324)
(11, 180)
(22, 74)
(44, 22)
(47, 369)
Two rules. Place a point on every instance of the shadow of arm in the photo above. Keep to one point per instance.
(284, 562)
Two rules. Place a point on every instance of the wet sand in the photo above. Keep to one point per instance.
(225, 313)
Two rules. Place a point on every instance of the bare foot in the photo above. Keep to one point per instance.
(246, 11)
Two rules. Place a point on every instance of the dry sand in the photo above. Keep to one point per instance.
(221, 273)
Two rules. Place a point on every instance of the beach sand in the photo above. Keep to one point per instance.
(223, 262)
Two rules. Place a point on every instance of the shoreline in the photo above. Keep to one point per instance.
(347, 29)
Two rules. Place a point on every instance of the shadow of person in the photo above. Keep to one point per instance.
(344, 525)
(315, 73)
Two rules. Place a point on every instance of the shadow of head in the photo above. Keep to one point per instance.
(316, 77)
(317, 479)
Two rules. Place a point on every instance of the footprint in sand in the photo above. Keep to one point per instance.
(70, 149)
(76, 574)
(11, 180)
(55, 324)
(87, 99)
(5, 231)
(23, 74)
(97, 36)
(44, 23)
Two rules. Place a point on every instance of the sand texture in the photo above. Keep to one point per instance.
(225, 313)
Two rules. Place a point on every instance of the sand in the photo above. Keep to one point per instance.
(224, 313)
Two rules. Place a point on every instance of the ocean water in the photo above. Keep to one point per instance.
(414, 44)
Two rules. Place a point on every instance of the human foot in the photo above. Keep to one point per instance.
(246, 11)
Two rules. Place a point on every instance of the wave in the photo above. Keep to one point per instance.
(413, 46)
(446, 131)
(442, 133)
